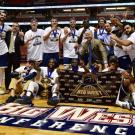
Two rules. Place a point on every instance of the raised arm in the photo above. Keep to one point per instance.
(121, 42)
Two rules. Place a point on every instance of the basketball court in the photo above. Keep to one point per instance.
(87, 106)
(10, 127)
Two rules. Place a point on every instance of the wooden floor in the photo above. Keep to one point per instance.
(6, 130)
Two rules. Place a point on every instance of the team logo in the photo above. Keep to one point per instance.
(86, 120)
(91, 91)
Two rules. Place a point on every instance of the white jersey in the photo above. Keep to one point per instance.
(68, 46)
(35, 46)
(24, 71)
(118, 69)
(3, 46)
(45, 73)
(115, 28)
(52, 43)
(100, 33)
(119, 52)
(68, 67)
(131, 48)
(132, 38)
(80, 69)
(91, 29)
(107, 39)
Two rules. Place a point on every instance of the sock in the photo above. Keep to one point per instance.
(54, 94)
(121, 103)
(1, 76)
(29, 93)
(133, 96)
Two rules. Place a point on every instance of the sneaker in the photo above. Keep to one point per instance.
(24, 100)
(133, 105)
(127, 105)
(11, 99)
(2, 92)
(53, 101)
(7, 91)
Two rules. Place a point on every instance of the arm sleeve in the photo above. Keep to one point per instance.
(132, 38)
(14, 74)
(30, 76)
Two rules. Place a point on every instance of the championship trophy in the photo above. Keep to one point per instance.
(46, 93)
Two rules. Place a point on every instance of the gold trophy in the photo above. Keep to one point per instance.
(46, 84)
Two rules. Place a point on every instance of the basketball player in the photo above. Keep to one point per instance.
(34, 40)
(86, 28)
(37, 86)
(126, 87)
(52, 42)
(128, 42)
(3, 48)
(23, 79)
(69, 39)
(51, 73)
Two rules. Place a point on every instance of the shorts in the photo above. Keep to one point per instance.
(3, 60)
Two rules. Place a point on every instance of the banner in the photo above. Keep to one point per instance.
(103, 88)
(72, 119)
